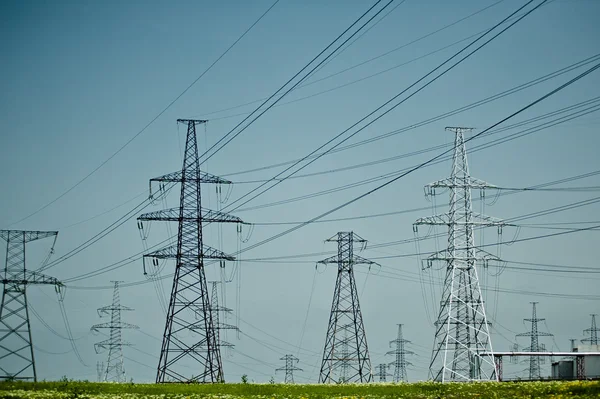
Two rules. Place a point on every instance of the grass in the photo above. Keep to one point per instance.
(422, 390)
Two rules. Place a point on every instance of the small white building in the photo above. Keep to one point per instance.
(567, 369)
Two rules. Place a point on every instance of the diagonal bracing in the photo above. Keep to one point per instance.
(346, 355)
(190, 349)
(461, 329)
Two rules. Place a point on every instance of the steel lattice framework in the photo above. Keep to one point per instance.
(346, 355)
(593, 331)
(216, 309)
(16, 345)
(400, 352)
(461, 328)
(290, 367)
(535, 346)
(382, 372)
(189, 345)
(114, 370)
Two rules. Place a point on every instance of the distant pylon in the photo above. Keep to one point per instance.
(16, 345)
(535, 346)
(593, 331)
(114, 371)
(183, 352)
(100, 371)
(290, 367)
(400, 352)
(461, 328)
(382, 372)
(215, 309)
(346, 318)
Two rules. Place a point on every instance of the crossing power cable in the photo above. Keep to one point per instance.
(549, 94)
(122, 220)
(275, 179)
(314, 81)
(439, 117)
(544, 212)
(395, 179)
(226, 139)
(443, 159)
(575, 109)
(114, 154)
(383, 136)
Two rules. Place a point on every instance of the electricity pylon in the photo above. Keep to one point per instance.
(290, 367)
(215, 309)
(535, 346)
(182, 350)
(16, 345)
(400, 352)
(100, 370)
(382, 372)
(114, 371)
(461, 330)
(345, 318)
(593, 331)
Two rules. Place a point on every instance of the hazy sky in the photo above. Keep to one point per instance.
(80, 78)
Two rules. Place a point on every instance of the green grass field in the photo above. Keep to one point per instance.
(424, 390)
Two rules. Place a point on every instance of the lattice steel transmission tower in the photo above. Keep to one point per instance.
(100, 371)
(400, 352)
(461, 329)
(345, 318)
(189, 345)
(215, 309)
(593, 331)
(290, 367)
(114, 371)
(16, 345)
(382, 372)
(535, 346)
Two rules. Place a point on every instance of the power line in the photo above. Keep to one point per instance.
(366, 61)
(390, 181)
(205, 156)
(440, 160)
(392, 107)
(478, 103)
(149, 123)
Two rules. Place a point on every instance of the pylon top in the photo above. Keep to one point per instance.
(194, 121)
(458, 129)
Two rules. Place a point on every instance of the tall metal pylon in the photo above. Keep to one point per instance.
(400, 352)
(189, 345)
(100, 371)
(215, 309)
(593, 331)
(382, 372)
(461, 329)
(290, 367)
(16, 344)
(535, 346)
(114, 370)
(345, 318)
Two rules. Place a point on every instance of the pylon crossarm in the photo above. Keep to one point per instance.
(356, 260)
(106, 309)
(26, 236)
(34, 278)
(191, 175)
(471, 182)
(447, 220)
(478, 255)
(171, 253)
(190, 214)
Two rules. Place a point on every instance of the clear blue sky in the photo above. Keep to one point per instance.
(80, 78)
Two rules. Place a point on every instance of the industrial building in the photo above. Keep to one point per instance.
(580, 367)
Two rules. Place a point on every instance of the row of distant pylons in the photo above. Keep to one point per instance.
(462, 349)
